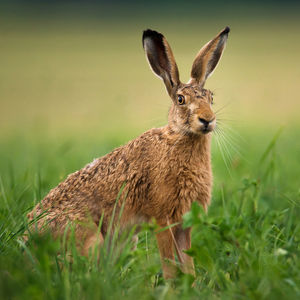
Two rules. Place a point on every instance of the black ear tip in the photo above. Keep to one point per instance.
(226, 30)
(148, 33)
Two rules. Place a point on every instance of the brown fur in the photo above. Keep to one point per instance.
(162, 172)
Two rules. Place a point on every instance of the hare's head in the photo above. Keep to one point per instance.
(191, 111)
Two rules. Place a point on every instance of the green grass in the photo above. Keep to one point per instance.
(246, 247)
(69, 94)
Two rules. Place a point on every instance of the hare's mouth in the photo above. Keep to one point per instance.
(201, 130)
(206, 130)
(207, 126)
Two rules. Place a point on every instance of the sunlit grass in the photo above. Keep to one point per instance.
(247, 246)
(93, 77)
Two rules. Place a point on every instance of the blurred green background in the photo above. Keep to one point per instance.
(79, 68)
(74, 84)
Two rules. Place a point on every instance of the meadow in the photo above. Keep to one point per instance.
(74, 90)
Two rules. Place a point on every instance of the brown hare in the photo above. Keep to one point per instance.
(160, 173)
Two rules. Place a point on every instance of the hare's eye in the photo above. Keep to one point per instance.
(181, 100)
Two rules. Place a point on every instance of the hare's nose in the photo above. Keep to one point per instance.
(206, 122)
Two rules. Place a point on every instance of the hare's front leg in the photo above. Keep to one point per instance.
(183, 241)
(165, 245)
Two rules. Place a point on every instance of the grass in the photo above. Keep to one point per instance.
(247, 246)
(67, 97)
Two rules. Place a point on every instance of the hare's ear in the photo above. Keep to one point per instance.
(161, 59)
(208, 58)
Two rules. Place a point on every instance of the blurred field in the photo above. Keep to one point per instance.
(92, 76)
(75, 86)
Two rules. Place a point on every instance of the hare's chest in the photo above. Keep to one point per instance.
(194, 184)
(185, 185)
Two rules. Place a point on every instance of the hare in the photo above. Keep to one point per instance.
(160, 173)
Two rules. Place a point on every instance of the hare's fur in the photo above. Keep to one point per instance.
(159, 174)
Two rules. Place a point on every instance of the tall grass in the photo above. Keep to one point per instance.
(247, 246)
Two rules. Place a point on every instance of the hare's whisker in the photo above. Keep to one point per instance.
(222, 153)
